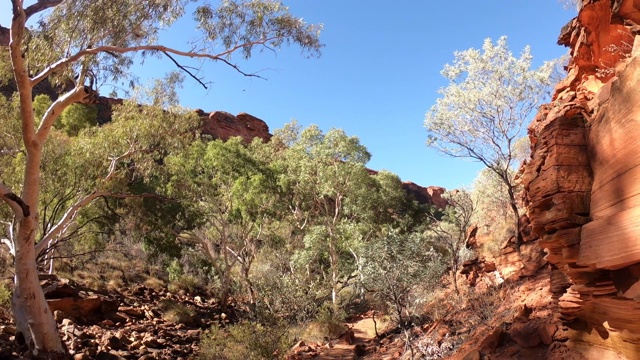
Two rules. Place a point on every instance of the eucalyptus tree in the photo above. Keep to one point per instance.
(485, 108)
(80, 44)
(234, 195)
(327, 190)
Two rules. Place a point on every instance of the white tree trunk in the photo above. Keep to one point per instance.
(34, 319)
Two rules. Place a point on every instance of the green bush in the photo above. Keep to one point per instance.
(245, 341)
(328, 323)
(174, 270)
(5, 301)
(76, 118)
(5, 297)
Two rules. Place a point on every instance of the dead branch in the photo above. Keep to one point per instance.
(185, 70)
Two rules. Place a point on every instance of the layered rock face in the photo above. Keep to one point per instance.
(431, 195)
(582, 184)
(223, 125)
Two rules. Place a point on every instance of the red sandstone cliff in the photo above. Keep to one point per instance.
(426, 195)
(582, 184)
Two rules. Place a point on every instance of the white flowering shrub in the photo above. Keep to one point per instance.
(485, 108)
(430, 349)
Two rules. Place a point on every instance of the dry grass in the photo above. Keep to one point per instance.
(186, 283)
(317, 331)
(176, 313)
(154, 283)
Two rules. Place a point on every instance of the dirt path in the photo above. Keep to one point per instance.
(359, 342)
(344, 348)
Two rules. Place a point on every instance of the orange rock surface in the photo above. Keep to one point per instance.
(582, 183)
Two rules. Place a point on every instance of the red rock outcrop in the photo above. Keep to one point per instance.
(431, 195)
(218, 124)
(223, 125)
(4, 36)
(582, 188)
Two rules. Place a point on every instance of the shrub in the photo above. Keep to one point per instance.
(245, 341)
(154, 283)
(328, 324)
(484, 306)
(5, 301)
(176, 313)
(285, 296)
(76, 118)
(174, 270)
(5, 296)
(395, 284)
(187, 283)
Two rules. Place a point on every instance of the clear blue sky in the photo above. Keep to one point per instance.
(378, 74)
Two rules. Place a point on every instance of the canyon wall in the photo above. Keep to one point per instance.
(582, 183)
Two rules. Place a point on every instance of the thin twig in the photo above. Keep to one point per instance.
(185, 70)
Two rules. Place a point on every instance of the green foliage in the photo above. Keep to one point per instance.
(11, 145)
(449, 233)
(284, 294)
(5, 297)
(254, 21)
(329, 322)
(6, 72)
(174, 270)
(40, 105)
(84, 45)
(421, 266)
(326, 187)
(482, 111)
(245, 341)
(76, 118)
(233, 194)
(231, 25)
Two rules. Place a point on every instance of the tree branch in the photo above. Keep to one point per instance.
(16, 204)
(78, 94)
(160, 48)
(185, 70)
(72, 212)
(40, 6)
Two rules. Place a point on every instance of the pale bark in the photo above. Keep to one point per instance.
(33, 317)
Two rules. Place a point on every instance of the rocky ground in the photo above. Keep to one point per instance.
(137, 323)
(506, 311)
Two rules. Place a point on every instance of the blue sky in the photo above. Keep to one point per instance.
(378, 74)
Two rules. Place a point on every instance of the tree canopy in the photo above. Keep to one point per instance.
(484, 109)
(79, 46)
